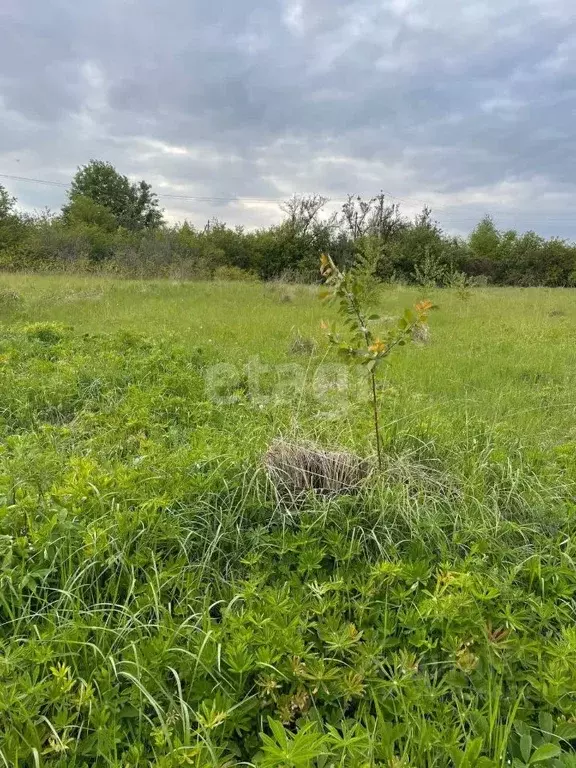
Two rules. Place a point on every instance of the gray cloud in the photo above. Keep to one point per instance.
(465, 106)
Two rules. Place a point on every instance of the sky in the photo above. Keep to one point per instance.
(228, 107)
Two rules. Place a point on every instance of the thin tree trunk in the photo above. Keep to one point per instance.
(376, 422)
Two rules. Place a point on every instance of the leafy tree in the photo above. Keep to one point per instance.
(84, 210)
(420, 241)
(147, 212)
(7, 203)
(557, 265)
(375, 218)
(12, 226)
(134, 205)
(485, 240)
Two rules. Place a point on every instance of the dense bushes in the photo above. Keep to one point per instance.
(120, 229)
(511, 259)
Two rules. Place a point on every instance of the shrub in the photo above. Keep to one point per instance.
(113, 225)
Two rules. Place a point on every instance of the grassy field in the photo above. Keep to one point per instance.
(160, 607)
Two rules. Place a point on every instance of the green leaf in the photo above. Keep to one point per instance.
(473, 749)
(526, 747)
(458, 757)
(566, 731)
(545, 752)
(291, 750)
(546, 722)
(129, 711)
(480, 723)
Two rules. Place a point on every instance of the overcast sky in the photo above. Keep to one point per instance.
(466, 106)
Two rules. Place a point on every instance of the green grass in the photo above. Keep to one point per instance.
(158, 607)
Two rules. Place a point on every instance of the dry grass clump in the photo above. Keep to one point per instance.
(421, 334)
(294, 469)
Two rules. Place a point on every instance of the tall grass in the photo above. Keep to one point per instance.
(160, 607)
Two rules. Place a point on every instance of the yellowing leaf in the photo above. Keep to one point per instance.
(377, 347)
(325, 265)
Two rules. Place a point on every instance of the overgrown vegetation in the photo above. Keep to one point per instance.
(112, 225)
(159, 607)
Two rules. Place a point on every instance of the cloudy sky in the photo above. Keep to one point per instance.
(465, 105)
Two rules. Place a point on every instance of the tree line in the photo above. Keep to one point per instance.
(111, 224)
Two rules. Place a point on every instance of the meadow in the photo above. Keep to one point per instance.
(161, 606)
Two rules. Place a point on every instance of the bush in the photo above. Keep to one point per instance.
(90, 235)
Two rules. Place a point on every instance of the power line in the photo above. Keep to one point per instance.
(37, 181)
(202, 198)
(449, 218)
(212, 198)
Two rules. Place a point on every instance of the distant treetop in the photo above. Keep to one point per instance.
(133, 204)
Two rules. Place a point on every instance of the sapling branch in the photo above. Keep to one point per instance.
(351, 291)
